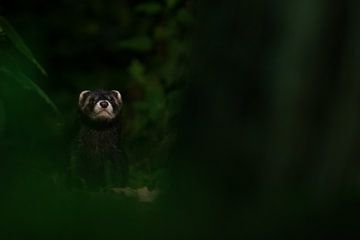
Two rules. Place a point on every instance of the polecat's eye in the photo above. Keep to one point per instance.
(110, 99)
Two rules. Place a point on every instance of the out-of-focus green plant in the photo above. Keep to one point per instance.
(139, 48)
(10, 70)
(7, 31)
(158, 79)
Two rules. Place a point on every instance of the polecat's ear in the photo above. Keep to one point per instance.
(117, 95)
(83, 95)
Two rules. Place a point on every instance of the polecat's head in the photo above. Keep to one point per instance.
(100, 106)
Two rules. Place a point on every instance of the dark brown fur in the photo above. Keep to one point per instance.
(97, 158)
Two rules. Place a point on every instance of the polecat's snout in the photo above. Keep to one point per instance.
(104, 104)
(100, 105)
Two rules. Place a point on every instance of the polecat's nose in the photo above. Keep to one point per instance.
(104, 104)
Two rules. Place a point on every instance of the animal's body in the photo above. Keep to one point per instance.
(97, 158)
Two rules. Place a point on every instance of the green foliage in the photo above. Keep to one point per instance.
(184, 16)
(2, 117)
(138, 48)
(151, 8)
(137, 71)
(139, 44)
(8, 31)
(156, 78)
(171, 3)
(28, 84)
(9, 68)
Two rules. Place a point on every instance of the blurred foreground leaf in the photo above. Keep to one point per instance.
(7, 30)
(28, 84)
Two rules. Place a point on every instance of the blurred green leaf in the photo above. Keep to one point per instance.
(136, 70)
(1, 31)
(9, 31)
(155, 101)
(163, 33)
(2, 117)
(151, 8)
(171, 3)
(184, 16)
(140, 44)
(28, 84)
(174, 102)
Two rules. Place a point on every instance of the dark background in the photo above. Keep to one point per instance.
(244, 114)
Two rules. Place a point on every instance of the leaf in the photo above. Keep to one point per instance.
(171, 3)
(2, 32)
(184, 16)
(140, 44)
(151, 8)
(28, 84)
(2, 117)
(9, 31)
(164, 33)
(136, 70)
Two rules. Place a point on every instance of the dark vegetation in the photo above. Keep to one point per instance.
(137, 48)
(245, 114)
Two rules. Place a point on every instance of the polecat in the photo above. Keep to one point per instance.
(97, 158)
